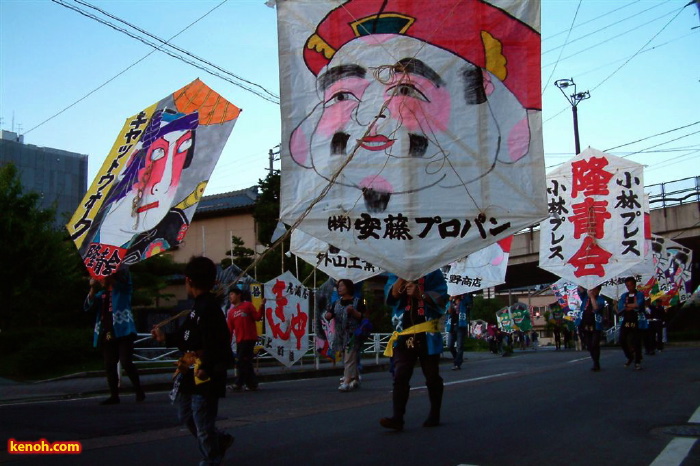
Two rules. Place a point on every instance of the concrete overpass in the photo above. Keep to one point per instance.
(675, 214)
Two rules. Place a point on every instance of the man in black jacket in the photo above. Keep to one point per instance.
(204, 338)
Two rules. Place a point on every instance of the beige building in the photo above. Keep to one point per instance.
(217, 219)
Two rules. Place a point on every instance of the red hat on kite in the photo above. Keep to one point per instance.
(478, 32)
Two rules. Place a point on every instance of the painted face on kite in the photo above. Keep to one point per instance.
(159, 179)
(413, 118)
(153, 194)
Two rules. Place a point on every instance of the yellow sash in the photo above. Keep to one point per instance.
(427, 326)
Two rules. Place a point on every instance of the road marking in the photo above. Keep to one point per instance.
(678, 448)
(578, 360)
(695, 418)
(475, 379)
(675, 452)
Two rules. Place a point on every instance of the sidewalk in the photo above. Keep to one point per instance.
(94, 383)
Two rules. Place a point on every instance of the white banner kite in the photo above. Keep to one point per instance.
(286, 319)
(595, 229)
(642, 272)
(330, 260)
(483, 269)
(412, 134)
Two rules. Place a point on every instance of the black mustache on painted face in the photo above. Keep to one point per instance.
(417, 145)
(375, 201)
(339, 143)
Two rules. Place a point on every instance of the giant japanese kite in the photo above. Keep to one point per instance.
(144, 196)
(411, 130)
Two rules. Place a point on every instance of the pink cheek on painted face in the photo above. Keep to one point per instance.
(419, 116)
(299, 146)
(336, 117)
(519, 140)
(497, 261)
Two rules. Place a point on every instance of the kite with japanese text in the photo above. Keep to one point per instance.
(485, 268)
(329, 259)
(412, 130)
(144, 196)
(595, 229)
(286, 319)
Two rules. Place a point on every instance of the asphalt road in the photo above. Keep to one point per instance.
(544, 408)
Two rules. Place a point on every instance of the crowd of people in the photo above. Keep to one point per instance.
(207, 337)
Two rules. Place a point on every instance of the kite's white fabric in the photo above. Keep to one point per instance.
(595, 229)
(483, 269)
(330, 260)
(411, 135)
(286, 319)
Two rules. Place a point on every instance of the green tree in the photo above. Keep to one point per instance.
(266, 214)
(485, 309)
(151, 277)
(42, 279)
(238, 254)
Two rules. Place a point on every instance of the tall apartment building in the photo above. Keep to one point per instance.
(59, 176)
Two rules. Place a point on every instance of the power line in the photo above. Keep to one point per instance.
(638, 51)
(652, 136)
(609, 39)
(166, 51)
(592, 70)
(566, 41)
(609, 26)
(121, 72)
(660, 144)
(179, 49)
(591, 20)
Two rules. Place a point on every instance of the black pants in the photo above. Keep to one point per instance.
(656, 335)
(591, 338)
(631, 341)
(246, 373)
(404, 361)
(121, 350)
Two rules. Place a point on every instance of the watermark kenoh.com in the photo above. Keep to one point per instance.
(43, 447)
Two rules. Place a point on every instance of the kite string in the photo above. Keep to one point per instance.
(377, 74)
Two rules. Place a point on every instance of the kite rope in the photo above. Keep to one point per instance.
(377, 73)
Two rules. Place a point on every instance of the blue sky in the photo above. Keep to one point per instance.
(638, 58)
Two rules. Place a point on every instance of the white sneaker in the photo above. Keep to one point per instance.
(354, 384)
(344, 387)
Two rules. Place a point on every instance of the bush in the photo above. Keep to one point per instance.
(475, 344)
(41, 352)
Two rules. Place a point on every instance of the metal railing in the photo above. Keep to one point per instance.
(147, 351)
(671, 193)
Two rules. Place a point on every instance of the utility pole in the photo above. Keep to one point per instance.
(273, 152)
(574, 100)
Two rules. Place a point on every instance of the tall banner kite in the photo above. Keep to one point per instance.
(485, 268)
(331, 260)
(672, 272)
(144, 196)
(520, 313)
(505, 320)
(595, 229)
(286, 319)
(412, 130)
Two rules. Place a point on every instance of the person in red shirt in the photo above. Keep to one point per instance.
(241, 320)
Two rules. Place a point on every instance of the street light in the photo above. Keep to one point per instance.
(574, 99)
